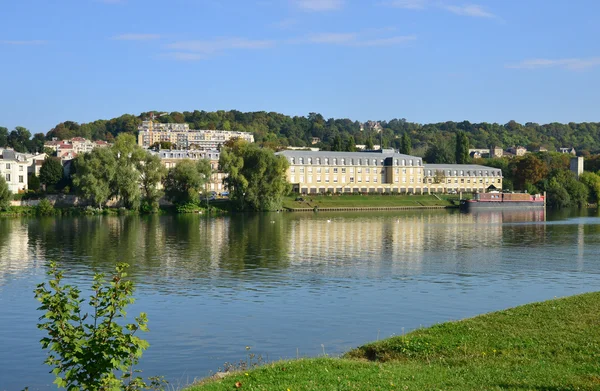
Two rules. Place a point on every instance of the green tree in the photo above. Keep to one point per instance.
(5, 194)
(558, 197)
(369, 143)
(51, 172)
(256, 176)
(95, 174)
(439, 153)
(462, 148)
(33, 182)
(152, 173)
(405, 144)
(350, 144)
(337, 143)
(19, 139)
(3, 137)
(592, 181)
(530, 169)
(91, 351)
(186, 181)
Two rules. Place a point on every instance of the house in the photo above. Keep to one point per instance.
(315, 140)
(496, 152)
(13, 168)
(517, 151)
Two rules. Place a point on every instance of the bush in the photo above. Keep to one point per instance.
(189, 207)
(97, 353)
(44, 208)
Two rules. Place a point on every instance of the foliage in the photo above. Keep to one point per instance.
(5, 195)
(462, 148)
(256, 176)
(439, 153)
(152, 172)
(406, 144)
(186, 180)
(558, 197)
(33, 182)
(592, 182)
(95, 173)
(530, 169)
(51, 171)
(44, 208)
(91, 351)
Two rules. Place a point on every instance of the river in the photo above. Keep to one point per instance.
(287, 284)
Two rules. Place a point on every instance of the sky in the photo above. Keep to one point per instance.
(423, 60)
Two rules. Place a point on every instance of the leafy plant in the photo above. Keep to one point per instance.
(92, 351)
(44, 208)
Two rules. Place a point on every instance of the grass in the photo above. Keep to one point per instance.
(553, 345)
(371, 200)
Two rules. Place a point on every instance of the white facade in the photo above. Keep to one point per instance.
(13, 168)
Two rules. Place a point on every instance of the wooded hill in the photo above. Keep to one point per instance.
(279, 130)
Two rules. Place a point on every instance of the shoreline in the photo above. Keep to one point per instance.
(542, 345)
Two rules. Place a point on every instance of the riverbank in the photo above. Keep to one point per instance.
(552, 345)
(368, 202)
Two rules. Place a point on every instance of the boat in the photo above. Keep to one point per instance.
(498, 200)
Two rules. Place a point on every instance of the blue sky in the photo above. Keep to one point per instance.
(423, 60)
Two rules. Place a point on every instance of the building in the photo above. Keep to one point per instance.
(568, 150)
(517, 151)
(383, 171)
(496, 152)
(576, 166)
(170, 158)
(74, 146)
(315, 140)
(14, 168)
(183, 137)
(444, 178)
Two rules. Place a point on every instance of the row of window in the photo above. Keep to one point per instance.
(462, 173)
(375, 179)
(350, 170)
(353, 161)
(21, 178)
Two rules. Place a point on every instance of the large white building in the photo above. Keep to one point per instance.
(170, 158)
(183, 137)
(13, 168)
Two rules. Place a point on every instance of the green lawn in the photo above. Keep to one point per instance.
(554, 345)
(356, 201)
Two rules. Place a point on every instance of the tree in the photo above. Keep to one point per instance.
(439, 153)
(369, 143)
(92, 351)
(405, 144)
(94, 175)
(558, 197)
(462, 148)
(592, 181)
(152, 172)
(186, 180)
(3, 137)
(337, 143)
(530, 169)
(255, 176)
(5, 195)
(18, 139)
(33, 182)
(36, 144)
(51, 172)
(350, 144)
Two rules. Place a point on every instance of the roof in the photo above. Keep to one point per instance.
(460, 167)
(348, 155)
(9, 154)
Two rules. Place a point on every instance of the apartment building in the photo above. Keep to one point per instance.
(383, 171)
(183, 137)
(13, 168)
(66, 149)
(170, 158)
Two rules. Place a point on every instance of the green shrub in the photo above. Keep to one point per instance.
(44, 208)
(189, 207)
(92, 351)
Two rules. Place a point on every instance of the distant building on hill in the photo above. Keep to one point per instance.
(517, 151)
(576, 165)
(170, 158)
(568, 150)
(496, 151)
(183, 137)
(69, 149)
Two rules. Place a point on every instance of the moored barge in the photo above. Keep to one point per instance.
(497, 200)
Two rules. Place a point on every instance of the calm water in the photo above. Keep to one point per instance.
(290, 284)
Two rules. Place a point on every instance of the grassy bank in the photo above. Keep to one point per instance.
(553, 345)
(367, 201)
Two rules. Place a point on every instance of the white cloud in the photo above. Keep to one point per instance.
(319, 5)
(573, 64)
(357, 39)
(24, 43)
(473, 10)
(136, 37)
(220, 44)
(408, 4)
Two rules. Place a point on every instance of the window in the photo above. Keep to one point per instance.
(20, 168)
(343, 162)
(318, 160)
(335, 170)
(8, 166)
(326, 161)
(292, 169)
(404, 162)
(410, 162)
(359, 170)
(367, 170)
(351, 179)
(300, 160)
(310, 169)
(326, 179)
(412, 180)
(318, 178)
(318, 170)
(309, 160)
(335, 162)
(396, 162)
(302, 170)
(291, 159)
(375, 179)
(20, 178)
(343, 170)
(326, 170)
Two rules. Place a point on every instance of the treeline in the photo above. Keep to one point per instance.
(278, 130)
(549, 172)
